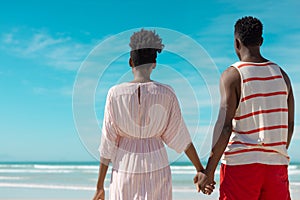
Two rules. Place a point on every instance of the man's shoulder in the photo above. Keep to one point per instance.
(231, 74)
(236, 64)
(286, 79)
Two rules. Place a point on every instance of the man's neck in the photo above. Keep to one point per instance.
(252, 54)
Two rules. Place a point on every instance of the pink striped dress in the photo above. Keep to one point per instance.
(260, 125)
(139, 119)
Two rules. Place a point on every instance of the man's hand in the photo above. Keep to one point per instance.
(100, 194)
(210, 185)
(203, 183)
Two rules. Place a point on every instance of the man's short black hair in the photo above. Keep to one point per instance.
(249, 30)
(145, 45)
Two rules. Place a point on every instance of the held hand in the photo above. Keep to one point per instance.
(204, 183)
(210, 186)
(200, 180)
(99, 195)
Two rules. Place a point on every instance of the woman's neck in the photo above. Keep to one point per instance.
(141, 80)
(141, 76)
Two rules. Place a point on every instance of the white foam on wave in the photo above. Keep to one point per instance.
(65, 167)
(33, 171)
(292, 167)
(15, 166)
(183, 172)
(11, 178)
(183, 167)
(294, 172)
(41, 186)
(295, 183)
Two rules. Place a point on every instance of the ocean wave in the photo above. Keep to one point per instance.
(294, 172)
(15, 166)
(292, 167)
(44, 186)
(295, 183)
(93, 169)
(183, 167)
(183, 172)
(11, 178)
(65, 167)
(184, 189)
(34, 171)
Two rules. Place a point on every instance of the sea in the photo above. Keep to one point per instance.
(77, 180)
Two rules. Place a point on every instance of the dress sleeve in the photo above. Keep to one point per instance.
(108, 145)
(176, 135)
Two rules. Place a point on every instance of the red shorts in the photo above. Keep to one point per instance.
(254, 182)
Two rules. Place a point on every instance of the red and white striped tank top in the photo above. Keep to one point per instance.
(260, 125)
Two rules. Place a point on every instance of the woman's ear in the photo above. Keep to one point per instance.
(130, 62)
(153, 65)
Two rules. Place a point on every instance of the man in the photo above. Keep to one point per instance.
(255, 123)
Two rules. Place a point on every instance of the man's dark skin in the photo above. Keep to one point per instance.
(230, 89)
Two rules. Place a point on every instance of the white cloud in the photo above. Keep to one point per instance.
(41, 41)
(55, 50)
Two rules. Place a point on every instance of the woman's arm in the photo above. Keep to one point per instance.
(107, 146)
(100, 195)
(102, 173)
(193, 156)
(200, 178)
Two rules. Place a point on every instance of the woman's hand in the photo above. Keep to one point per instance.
(100, 194)
(200, 180)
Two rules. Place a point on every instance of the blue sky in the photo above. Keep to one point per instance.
(43, 44)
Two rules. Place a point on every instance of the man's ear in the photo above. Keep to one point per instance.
(261, 41)
(237, 43)
(130, 62)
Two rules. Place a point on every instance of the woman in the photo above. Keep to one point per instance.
(140, 116)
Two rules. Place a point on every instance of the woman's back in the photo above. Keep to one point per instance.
(141, 110)
(142, 116)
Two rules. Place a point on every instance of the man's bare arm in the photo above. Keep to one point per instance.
(230, 93)
(291, 108)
